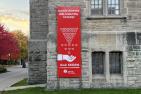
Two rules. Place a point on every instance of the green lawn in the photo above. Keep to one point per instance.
(21, 83)
(86, 91)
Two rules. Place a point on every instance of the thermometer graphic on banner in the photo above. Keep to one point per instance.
(69, 33)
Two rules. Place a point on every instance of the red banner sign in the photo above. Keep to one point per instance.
(68, 42)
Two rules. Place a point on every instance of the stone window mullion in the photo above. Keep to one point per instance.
(107, 67)
(105, 10)
(120, 7)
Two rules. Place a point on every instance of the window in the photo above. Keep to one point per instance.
(96, 7)
(105, 7)
(98, 59)
(115, 62)
(113, 7)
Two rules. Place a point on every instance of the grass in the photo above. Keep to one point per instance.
(21, 83)
(84, 91)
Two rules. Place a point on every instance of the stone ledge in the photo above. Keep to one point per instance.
(106, 17)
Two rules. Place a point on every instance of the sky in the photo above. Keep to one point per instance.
(14, 15)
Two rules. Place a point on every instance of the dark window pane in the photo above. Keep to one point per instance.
(98, 62)
(96, 7)
(113, 7)
(115, 62)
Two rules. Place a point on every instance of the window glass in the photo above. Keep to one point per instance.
(96, 7)
(98, 59)
(115, 62)
(113, 7)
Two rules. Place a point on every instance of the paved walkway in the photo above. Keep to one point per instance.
(24, 87)
(15, 74)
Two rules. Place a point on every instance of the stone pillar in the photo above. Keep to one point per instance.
(52, 80)
(107, 72)
(38, 41)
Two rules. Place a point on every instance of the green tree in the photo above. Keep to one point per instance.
(22, 42)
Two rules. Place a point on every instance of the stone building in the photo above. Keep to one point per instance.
(111, 44)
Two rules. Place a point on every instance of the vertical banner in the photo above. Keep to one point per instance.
(68, 42)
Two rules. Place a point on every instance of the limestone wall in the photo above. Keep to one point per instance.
(98, 34)
(38, 41)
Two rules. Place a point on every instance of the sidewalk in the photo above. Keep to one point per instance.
(14, 74)
(24, 87)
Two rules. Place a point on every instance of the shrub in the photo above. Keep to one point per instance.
(12, 62)
(2, 69)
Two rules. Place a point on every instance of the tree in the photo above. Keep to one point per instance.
(9, 49)
(22, 42)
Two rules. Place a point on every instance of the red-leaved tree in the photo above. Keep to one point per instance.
(9, 49)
